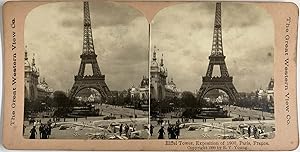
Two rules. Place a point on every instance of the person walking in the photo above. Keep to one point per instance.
(177, 131)
(169, 130)
(32, 133)
(255, 132)
(249, 131)
(126, 129)
(151, 129)
(47, 129)
(24, 127)
(173, 133)
(41, 129)
(45, 132)
(121, 129)
(161, 133)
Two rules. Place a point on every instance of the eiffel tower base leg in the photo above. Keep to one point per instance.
(227, 87)
(100, 86)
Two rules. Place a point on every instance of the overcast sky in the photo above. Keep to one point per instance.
(54, 33)
(183, 33)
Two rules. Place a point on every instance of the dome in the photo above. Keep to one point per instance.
(40, 86)
(260, 92)
(144, 82)
(133, 90)
(44, 82)
(154, 66)
(44, 86)
(172, 82)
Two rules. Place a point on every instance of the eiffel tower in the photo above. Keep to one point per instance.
(88, 56)
(224, 82)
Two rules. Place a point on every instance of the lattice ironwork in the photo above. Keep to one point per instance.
(88, 56)
(224, 82)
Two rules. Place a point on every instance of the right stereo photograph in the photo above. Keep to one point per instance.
(211, 72)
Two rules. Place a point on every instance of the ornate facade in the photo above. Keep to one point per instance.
(171, 90)
(31, 77)
(270, 91)
(44, 90)
(158, 75)
(267, 94)
(141, 92)
(33, 89)
(159, 87)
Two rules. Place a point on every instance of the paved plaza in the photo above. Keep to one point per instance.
(222, 128)
(97, 127)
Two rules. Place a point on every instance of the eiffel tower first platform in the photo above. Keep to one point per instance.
(224, 82)
(88, 56)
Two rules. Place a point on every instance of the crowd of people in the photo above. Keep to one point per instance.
(254, 131)
(172, 130)
(44, 130)
(124, 129)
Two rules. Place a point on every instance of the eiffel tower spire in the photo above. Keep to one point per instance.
(88, 44)
(217, 46)
(217, 57)
(88, 55)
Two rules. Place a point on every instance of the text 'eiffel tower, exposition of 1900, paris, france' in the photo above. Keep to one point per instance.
(88, 56)
(224, 82)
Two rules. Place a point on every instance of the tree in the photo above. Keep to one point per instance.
(188, 99)
(62, 103)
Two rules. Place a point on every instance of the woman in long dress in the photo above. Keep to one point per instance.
(161, 133)
(32, 133)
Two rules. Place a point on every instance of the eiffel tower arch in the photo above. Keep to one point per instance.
(88, 56)
(217, 58)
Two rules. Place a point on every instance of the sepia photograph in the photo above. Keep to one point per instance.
(212, 72)
(150, 75)
(86, 72)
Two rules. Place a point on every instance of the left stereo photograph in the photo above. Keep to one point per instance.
(86, 72)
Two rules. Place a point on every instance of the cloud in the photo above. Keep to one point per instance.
(54, 33)
(184, 33)
(103, 14)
